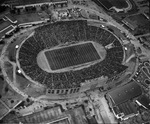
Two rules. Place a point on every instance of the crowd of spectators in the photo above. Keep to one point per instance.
(51, 35)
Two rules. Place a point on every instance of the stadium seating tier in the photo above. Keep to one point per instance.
(51, 35)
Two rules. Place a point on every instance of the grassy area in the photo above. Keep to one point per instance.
(139, 19)
(12, 53)
(30, 17)
(142, 24)
(25, 18)
(3, 110)
(9, 72)
(119, 3)
(23, 82)
(35, 91)
(130, 50)
(9, 96)
(2, 83)
(4, 24)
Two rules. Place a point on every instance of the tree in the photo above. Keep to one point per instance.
(6, 89)
(2, 42)
(18, 11)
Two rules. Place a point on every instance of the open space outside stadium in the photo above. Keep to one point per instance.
(119, 3)
(51, 35)
(108, 4)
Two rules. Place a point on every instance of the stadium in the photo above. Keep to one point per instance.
(64, 56)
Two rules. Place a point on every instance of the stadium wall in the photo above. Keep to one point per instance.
(88, 85)
(32, 23)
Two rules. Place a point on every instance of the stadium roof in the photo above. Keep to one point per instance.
(125, 93)
(28, 2)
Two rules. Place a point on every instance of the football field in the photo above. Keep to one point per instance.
(71, 56)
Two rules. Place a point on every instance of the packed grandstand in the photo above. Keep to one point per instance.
(68, 32)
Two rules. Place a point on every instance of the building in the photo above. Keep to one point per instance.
(28, 3)
(144, 101)
(105, 3)
(11, 18)
(125, 110)
(129, 23)
(30, 19)
(6, 27)
(39, 117)
(121, 100)
(3, 109)
(146, 14)
(54, 116)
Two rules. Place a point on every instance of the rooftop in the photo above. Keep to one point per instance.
(8, 29)
(144, 101)
(28, 2)
(104, 3)
(3, 110)
(5, 27)
(125, 93)
(4, 24)
(54, 116)
(11, 18)
(127, 108)
(40, 117)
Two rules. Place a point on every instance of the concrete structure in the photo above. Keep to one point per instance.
(5, 28)
(54, 116)
(28, 3)
(120, 100)
(144, 101)
(132, 25)
(105, 3)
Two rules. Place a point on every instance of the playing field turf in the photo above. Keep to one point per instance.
(70, 56)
